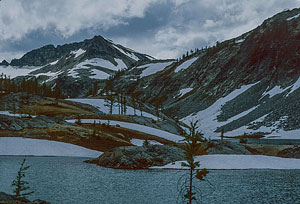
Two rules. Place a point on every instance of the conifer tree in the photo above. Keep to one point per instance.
(193, 145)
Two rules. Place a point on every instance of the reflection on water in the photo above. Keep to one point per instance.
(67, 180)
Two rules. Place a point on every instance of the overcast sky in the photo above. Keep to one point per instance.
(161, 28)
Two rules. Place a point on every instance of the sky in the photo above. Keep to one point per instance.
(160, 28)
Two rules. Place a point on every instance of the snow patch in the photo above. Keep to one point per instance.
(274, 91)
(52, 75)
(77, 53)
(136, 127)
(184, 91)
(97, 74)
(239, 41)
(150, 57)
(53, 63)
(282, 134)
(186, 64)
(295, 86)
(15, 115)
(13, 72)
(291, 18)
(153, 68)
(241, 114)
(128, 54)
(239, 162)
(36, 147)
(49, 74)
(97, 62)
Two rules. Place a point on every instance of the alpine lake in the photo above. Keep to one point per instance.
(68, 180)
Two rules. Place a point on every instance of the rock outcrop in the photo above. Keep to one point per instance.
(19, 123)
(135, 157)
(226, 147)
(9, 199)
(290, 153)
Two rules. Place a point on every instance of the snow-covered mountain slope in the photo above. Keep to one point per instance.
(249, 84)
(36, 147)
(253, 119)
(83, 64)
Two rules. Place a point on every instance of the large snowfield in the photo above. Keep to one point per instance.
(18, 146)
(239, 162)
(207, 119)
(136, 127)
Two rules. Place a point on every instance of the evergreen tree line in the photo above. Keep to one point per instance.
(30, 86)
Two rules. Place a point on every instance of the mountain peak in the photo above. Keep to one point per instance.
(4, 63)
(98, 47)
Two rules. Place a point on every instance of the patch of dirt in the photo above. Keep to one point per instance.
(268, 150)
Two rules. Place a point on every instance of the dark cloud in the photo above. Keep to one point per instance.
(162, 28)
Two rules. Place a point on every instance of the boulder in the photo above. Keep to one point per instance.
(136, 157)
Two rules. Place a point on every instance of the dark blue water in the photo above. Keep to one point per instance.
(66, 180)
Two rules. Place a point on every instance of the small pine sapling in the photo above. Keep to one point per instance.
(193, 146)
(21, 186)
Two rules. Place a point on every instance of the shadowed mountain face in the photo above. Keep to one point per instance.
(95, 47)
(248, 84)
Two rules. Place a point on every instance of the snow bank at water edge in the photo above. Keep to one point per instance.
(240, 162)
(35, 147)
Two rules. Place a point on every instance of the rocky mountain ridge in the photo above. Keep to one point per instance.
(248, 84)
(75, 67)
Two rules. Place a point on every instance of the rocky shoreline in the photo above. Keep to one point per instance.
(10, 199)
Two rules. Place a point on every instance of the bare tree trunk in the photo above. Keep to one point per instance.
(140, 103)
(191, 186)
(125, 106)
(119, 105)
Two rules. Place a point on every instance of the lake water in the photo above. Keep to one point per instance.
(68, 180)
